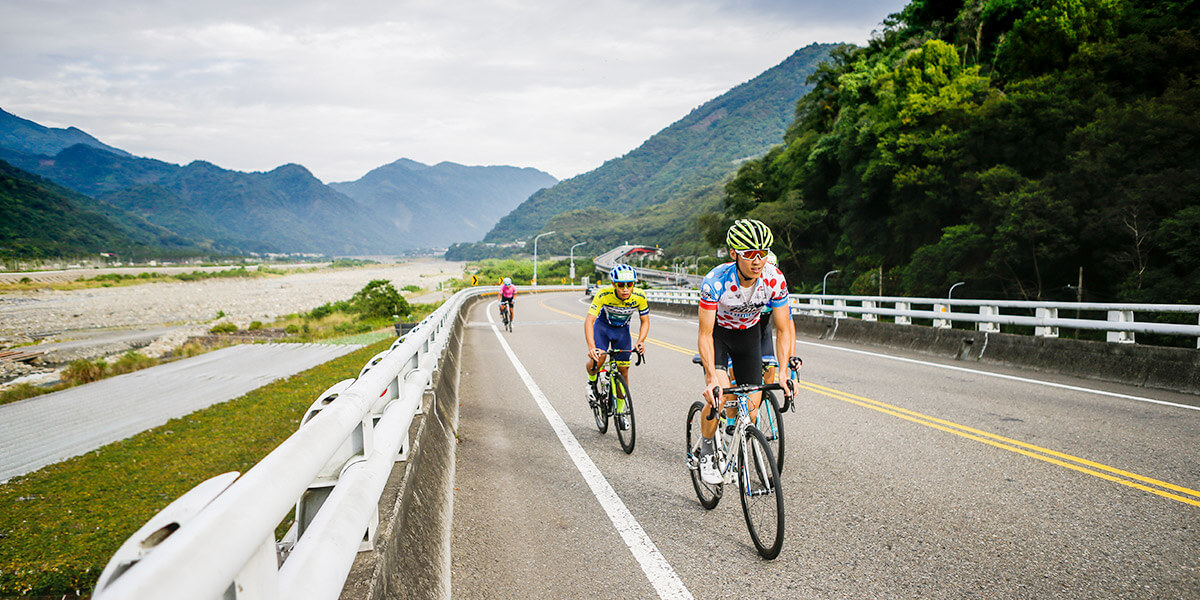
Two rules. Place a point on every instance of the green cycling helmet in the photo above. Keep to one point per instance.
(749, 234)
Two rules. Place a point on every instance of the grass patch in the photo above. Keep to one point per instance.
(60, 525)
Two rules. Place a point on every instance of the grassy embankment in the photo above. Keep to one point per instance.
(60, 525)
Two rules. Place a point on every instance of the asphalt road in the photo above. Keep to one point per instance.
(906, 477)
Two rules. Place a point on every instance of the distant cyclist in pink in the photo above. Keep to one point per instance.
(508, 292)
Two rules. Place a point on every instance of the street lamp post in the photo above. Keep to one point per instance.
(535, 241)
(573, 261)
(950, 294)
(827, 277)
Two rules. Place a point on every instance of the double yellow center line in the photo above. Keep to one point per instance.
(1082, 465)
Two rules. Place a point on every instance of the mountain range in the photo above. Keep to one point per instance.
(654, 194)
(441, 202)
(210, 209)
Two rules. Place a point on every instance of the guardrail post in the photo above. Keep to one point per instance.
(839, 314)
(941, 323)
(1120, 337)
(903, 319)
(816, 303)
(353, 449)
(869, 316)
(989, 326)
(1046, 313)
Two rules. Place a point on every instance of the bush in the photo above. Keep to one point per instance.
(254, 326)
(132, 361)
(329, 308)
(225, 327)
(21, 391)
(85, 371)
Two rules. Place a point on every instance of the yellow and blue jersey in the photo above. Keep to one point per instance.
(616, 312)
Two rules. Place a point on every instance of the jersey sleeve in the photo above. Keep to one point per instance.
(597, 303)
(779, 291)
(643, 305)
(710, 291)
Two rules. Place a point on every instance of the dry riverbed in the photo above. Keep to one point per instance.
(157, 317)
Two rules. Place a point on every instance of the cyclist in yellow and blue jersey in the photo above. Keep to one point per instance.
(607, 325)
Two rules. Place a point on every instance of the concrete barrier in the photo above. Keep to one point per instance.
(412, 548)
(1174, 369)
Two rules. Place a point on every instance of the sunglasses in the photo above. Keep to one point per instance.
(623, 284)
(752, 254)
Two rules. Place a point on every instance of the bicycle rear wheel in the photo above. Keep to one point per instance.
(762, 500)
(708, 494)
(623, 417)
(770, 423)
(600, 413)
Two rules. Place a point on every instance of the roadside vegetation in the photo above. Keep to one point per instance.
(550, 272)
(62, 523)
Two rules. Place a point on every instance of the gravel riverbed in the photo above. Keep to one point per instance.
(170, 312)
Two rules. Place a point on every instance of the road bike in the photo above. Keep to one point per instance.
(743, 452)
(504, 316)
(613, 399)
(768, 418)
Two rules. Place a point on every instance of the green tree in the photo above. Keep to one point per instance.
(379, 299)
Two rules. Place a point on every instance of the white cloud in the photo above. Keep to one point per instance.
(344, 87)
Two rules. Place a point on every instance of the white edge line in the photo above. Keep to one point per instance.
(1002, 376)
(653, 563)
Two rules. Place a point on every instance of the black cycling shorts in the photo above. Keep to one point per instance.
(744, 348)
(766, 327)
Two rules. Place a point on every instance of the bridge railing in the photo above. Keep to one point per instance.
(218, 540)
(1046, 318)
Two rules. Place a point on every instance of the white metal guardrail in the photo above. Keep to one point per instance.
(1121, 324)
(218, 540)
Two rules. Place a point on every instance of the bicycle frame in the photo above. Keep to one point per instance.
(727, 462)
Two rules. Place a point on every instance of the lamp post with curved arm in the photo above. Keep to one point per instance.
(827, 277)
(950, 294)
(535, 241)
(573, 261)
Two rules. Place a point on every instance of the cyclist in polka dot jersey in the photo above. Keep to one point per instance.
(732, 299)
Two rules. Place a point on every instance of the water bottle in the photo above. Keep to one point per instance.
(727, 434)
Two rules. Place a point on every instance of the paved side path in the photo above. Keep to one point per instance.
(50, 428)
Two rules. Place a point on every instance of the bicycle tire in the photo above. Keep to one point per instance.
(627, 435)
(600, 415)
(770, 423)
(708, 494)
(762, 498)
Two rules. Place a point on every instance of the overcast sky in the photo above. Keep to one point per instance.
(344, 87)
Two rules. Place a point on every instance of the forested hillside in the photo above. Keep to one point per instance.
(626, 196)
(41, 220)
(1005, 143)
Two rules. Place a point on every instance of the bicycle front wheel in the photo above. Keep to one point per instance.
(623, 412)
(762, 499)
(708, 494)
(600, 414)
(770, 423)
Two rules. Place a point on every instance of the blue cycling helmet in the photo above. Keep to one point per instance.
(622, 273)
